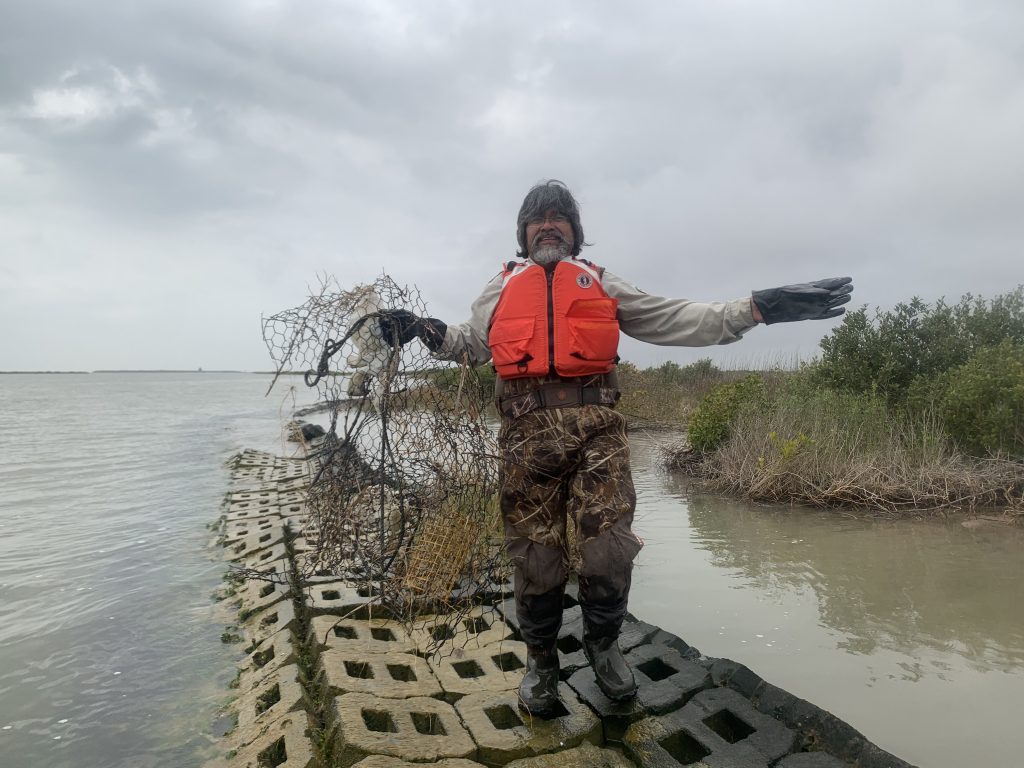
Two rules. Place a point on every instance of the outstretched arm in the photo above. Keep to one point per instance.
(681, 322)
(678, 322)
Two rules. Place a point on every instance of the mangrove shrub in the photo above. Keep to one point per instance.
(713, 417)
(885, 353)
(982, 401)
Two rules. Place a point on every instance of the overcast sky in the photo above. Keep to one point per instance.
(169, 171)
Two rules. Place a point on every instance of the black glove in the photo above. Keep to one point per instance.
(400, 326)
(819, 300)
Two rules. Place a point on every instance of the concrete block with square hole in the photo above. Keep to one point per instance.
(268, 622)
(291, 468)
(260, 497)
(734, 718)
(302, 525)
(341, 598)
(503, 732)
(279, 693)
(257, 594)
(481, 626)
(252, 478)
(303, 545)
(258, 494)
(285, 743)
(360, 636)
(584, 756)
(270, 655)
(665, 681)
(260, 500)
(257, 541)
(719, 727)
(249, 513)
(417, 730)
(287, 498)
(388, 675)
(251, 457)
(296, 517)
(498, 667)
(239, 530)
(250, 470)
(260, 560)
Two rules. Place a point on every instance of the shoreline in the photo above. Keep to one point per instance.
(326, 680)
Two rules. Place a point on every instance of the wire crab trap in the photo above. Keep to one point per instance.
(403, 506)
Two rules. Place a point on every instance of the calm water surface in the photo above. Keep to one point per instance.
(109, 642)
(110, 651)
(911, 631)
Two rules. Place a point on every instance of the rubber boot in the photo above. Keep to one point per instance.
(614, 677)
(538, 693)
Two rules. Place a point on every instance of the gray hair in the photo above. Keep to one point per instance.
(550, 193)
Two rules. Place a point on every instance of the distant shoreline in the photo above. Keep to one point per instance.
(126, 370)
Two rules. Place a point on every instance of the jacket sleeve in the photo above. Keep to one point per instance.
(468, 340)
(678, 322)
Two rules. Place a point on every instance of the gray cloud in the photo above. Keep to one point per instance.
(173, 170)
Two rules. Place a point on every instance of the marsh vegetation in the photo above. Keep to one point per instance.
(916, 408)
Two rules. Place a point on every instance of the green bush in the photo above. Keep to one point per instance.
(982, 401)
(712, 420)
(886, 353)
(834, 448)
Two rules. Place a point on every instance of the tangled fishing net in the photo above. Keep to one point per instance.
(403, 506)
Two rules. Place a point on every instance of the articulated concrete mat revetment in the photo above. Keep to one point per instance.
(324, 681)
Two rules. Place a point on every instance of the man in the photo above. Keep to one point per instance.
(550, 324)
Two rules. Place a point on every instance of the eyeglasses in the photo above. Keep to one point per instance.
(554, 218)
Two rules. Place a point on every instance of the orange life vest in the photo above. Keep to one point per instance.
(561, 320)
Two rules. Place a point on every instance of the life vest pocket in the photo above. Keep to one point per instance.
(593, 329)
(509, 340)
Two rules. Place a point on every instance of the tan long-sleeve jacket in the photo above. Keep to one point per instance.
(654, 319)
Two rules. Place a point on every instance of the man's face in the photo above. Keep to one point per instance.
(549, 238)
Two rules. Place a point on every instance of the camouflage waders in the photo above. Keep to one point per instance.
(568, 461)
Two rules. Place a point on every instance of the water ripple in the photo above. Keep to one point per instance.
(111, 653)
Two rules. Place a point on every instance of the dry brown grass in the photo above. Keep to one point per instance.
(831, 451)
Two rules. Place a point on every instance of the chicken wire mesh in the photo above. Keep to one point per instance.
(403, 506)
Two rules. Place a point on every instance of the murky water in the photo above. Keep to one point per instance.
(109, 643)
(110, 652)
(911, 631)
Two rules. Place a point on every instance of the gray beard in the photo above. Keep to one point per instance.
(550, 254)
